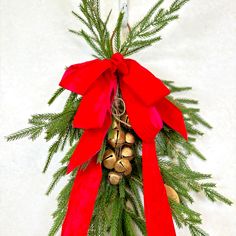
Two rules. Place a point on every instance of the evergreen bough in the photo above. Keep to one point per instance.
(119, 209)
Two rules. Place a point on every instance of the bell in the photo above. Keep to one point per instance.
(127, 153)
(172, 194)
(123, 166)
(129, 139)
(116, 138)
(125, 119)
(114, 178)
(109, 159)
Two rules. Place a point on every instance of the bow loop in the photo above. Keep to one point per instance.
(96, 103)
(79, 78)
(144, 84)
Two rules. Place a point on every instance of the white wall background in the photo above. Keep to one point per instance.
(199, 50)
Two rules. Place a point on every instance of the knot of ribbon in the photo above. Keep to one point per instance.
(147, 108)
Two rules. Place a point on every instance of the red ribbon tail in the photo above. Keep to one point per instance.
(159, 220)
(82, 200)
(89, 145)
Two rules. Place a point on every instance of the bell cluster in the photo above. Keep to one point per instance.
(117, 158)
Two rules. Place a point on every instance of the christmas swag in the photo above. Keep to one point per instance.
(126, 134)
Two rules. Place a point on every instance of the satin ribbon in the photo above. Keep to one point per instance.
(147, 107)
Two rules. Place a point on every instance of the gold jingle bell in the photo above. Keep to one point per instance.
(123, 166)
(172, 194)
(125, 119)
(127, 153)
(129, 139)
(116, 138)
(114, 178)
(109, 159)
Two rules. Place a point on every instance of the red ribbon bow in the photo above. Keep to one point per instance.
(147, 108)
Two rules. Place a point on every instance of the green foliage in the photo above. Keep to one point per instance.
(96, 34)
(119, 209)
(125, 201)
(143, 34)
(102, 151)
(31, 132)
(117, 32)
(57, 126)
(62, 202)
(55, 95)
(196, 231)
(56, 178)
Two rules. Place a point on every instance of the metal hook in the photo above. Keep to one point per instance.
(124, 8)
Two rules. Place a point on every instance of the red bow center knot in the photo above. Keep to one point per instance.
(147, 107)
(118, 63)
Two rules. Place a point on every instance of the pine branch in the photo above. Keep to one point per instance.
(27, 132)
(131, 198)
(213, 195)
(62, 202)
(53, 124)
(143, 23)
(66, 158)
(140, 223)
(135, 191)
(84, 22)
(56, 178)
(99, 38)
(51, 152)
(184, 215)
(186, 101)
(177, 4)
(57, 223)
(122, 189)
(128, 227)
(58, 92)
(173, 88)
(116, 217)
(91, 43)
(117, 32)
(42, 118)
(135, 50)
(102, 151)
(196, 231)
(151, 24)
